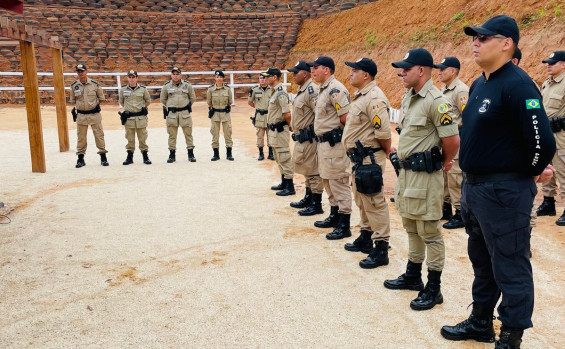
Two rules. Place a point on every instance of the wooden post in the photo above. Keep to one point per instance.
(31, 87)
(60, 99)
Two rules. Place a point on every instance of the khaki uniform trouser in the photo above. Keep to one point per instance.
(141, 136)
(453, 180)
(339, 193)
(315, 183)
(215, 131)
(374, 213)
(425, 238)
(98, 138)
(549, 188)
(261, 133)
(173, 131)
(284, 160)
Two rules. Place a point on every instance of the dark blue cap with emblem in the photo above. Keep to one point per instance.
(132, 72)
(80, 67)
(448, 62)
(219, 73)
(324, 61)
(175, 69)
(416, 56)
(557, 56)
(501, 25)
(273, 71)
(365, 64)
(300, 65)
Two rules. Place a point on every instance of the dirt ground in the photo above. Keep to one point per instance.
(204, 255)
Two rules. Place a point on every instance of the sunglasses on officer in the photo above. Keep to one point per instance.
(484, 38)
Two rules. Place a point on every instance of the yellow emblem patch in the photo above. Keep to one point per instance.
(377, 122)
(446, 119)
(442, 108)
(337, 106)
(463, 107)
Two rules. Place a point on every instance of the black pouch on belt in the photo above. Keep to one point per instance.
(369, 178)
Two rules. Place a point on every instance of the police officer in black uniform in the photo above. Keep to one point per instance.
(506, 143)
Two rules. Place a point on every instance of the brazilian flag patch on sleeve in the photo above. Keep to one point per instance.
(532, 104)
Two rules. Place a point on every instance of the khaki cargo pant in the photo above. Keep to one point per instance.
(215, 131)
(374, 213)
(425, 238)
(95, 122)
(133, 126)
(261, 133)
(284, 160)
(173, 123)
(339, 193)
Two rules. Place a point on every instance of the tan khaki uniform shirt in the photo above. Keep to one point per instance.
(133, 99)
(303, 106)
(86, 97)
(333, 101)
(260, 98)
(368, 121)
(278, 105)
(428, 117)
(553, 93)
(457, 93)
(178, 96)
(219, 98)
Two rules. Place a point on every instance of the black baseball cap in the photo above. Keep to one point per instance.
(557, 56)
(448, 62)
(80, 67)
(416, 56)
(273, 71)
(501, 24)
(364, 64)
(176, 69)
(517, 54)
(322, 60)
(219, 73)
(300, 65)
(132, 72)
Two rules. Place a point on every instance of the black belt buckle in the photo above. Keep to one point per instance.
(293, 137)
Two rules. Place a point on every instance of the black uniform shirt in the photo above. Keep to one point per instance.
(505, 127)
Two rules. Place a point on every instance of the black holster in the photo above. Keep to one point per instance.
(74, 114)
(368, 178)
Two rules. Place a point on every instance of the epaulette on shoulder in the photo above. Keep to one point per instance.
(279, 88)
(142, 86)
(75, 82)
(435, 93)
(94, 82)
(126, 85)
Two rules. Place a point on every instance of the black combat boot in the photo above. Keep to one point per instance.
(315, 206)
(191, 157)
(561, 220)
(288, 188)
(146, 160)
(447, 212)
(343, 229)
(305, 201)
(216, 156)
(104, 160)
(279, 186)
(129, 158)
(455, 222)
(80, 161)
(477, 327)
(172, 156)
(377, 257)
(510, 338)
(431, 294)
(228, 154)
(331, 221)
(363, 243)
(547, 207)
(261, 154)
(271, 155)
(410, 280)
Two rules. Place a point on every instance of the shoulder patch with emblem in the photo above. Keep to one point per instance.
(313, 98)
(442, 108)
(310, 89)
(376, 120)
(446, 119)
(532, 104)
(463, 99)
(283, 97)
(334, 93)
(279, 88)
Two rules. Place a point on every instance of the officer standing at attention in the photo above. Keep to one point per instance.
(427, 144)
(553, 92)
(135, 99)
(259, 99)
(177, 97)
(367, 138)
(278, 122)
(304, 154)
(219, 100)
(506, 143)
(86, 94)
(332, 107)
(457, 93)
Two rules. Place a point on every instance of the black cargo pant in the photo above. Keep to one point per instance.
(497, 220)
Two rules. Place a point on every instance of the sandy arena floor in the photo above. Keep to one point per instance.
(204, 255)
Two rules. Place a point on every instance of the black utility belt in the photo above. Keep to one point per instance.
(261, 111)
(557, 123)
(225, 110)
(428, 161)
(470, 178)
(333, 136)
(357, 155)
(305, 135)
(143, 112)
(176, 110)
(279, 126)
(91, 111)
